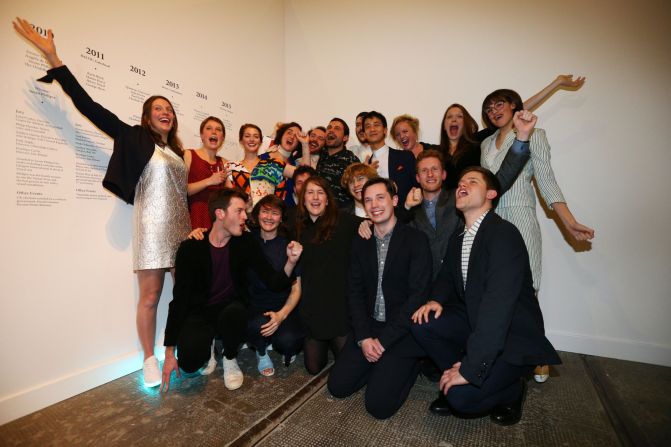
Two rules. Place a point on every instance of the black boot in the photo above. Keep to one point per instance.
(440, 405)
(510, 414)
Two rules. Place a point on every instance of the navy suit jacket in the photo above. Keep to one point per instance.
(503, 312)
(406, 281)
(402, 172)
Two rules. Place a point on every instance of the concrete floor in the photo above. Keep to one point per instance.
(588, 401)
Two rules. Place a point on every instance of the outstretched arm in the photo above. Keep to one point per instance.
(579, 231)
(561, 82)
(45, 45)
(99, 116)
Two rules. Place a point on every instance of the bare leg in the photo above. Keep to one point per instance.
(151, 285)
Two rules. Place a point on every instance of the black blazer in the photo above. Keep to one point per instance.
(402, 172)
(133, 145)
(193, 278)
(503, 312)
(406, 282)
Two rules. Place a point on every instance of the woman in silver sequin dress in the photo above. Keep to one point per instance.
(146, 169)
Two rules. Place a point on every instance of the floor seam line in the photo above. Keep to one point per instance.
(614, 418)
(265, 426)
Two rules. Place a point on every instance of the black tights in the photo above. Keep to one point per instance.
(316, 352)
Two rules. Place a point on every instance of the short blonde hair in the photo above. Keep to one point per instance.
(405, 118)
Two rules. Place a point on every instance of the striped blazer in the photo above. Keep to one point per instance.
(522, 191)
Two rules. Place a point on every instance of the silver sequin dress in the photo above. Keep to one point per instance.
(161, 214)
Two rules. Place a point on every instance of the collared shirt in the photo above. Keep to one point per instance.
(430, 209)
(382, 155)
(332, 167)
(379, 313)
(469, 237)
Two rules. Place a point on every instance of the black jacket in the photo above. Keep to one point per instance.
(503, 312)
(406, 282)
(133, 145)
(193, 278)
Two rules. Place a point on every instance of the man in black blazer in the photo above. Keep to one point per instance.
(394, 164)
(389, 279)
(487, 332)
(209, 297)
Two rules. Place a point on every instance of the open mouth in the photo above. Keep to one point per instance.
(405, 142)
(164, 120)
(213, 139)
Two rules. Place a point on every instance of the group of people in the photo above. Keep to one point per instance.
(383, 257)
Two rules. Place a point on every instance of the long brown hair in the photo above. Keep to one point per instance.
(326, 222)
(173, 141)
(467, 138)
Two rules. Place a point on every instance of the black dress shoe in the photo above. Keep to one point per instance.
(512, 413)
(440, 406)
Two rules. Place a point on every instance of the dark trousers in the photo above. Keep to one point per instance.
(287, 339)
(389, 379)
(227, 321)
(444, 340)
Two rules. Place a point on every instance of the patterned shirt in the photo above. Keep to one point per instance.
(469, 237)
(382, 244)
(332, 167)
(430, 209)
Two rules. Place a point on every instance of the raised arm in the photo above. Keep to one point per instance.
(519, 152)
(99, 116)
(45, 45)
(561, 82)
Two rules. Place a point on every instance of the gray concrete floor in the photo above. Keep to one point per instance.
(588, 401)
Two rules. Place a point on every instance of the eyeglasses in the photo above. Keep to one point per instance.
(496, 107)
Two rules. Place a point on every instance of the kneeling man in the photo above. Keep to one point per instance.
(487, 331)
(389, 279)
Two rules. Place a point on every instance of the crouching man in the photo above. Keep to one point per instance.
(483, 326)
(209, 297)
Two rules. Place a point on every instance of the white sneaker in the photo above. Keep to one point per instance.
(541, 373)
(151, 372)
(211, 364)
(232, 374)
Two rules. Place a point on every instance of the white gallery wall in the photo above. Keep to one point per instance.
(611, 139)
(68, 295)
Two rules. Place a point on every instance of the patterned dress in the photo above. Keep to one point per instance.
(266, 178)
(160, 214)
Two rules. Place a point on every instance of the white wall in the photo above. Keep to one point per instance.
(611, 139)
(67, 312)
(68, 297)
